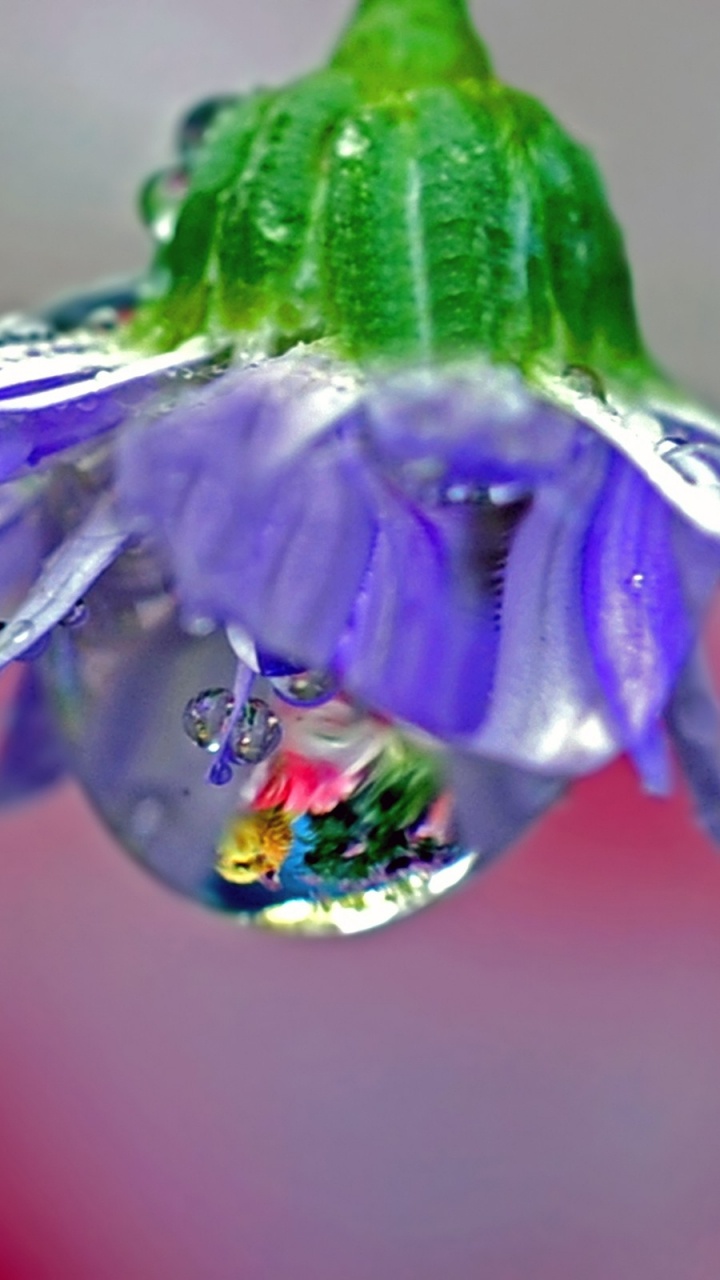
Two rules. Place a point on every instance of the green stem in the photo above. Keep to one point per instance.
(392, 45)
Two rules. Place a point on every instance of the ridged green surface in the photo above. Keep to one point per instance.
(402, 203)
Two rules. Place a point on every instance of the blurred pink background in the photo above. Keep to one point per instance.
(521, 1084)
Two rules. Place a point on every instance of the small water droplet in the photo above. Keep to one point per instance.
(637, 581)
(160, 200)
(198, 626)
(18, 328)
(103, 319)
(206, 716)
(37, 649)
(21, 633)
(256, 733)
(669, 444)
(273, 664)
(306, 688)
(351, 144)
(87, 404)
(194, 126)
(697, 461)
(77, 616)
(584, 381)
(221, 773)
(462, 495)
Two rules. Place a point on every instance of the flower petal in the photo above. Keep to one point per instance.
(283, 549)
(50, 403)
(67, 575)
(694, 722)
(32, 755)
(637, 623)
(422, 639)
(547, 710)
(475, 424)
(677, 453)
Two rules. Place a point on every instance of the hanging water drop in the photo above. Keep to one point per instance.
(77, 616)
(256, 733)
(221, 773)
(305, 688)
(274, 664)
(206, 717)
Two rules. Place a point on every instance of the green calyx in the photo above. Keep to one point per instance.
(400, 204)
(403, 44)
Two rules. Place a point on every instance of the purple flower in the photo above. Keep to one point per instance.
(520, 573)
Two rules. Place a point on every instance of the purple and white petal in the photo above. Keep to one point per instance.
(548, 710)
(59, 401)
(67, 574)
(678, 455)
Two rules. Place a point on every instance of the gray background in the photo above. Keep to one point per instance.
(521, 1084)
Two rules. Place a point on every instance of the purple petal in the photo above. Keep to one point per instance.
(422, 639)
(32, 755)
(694, 723)
(637, 623)
(62, 401)
(283, 546)
(478, 424)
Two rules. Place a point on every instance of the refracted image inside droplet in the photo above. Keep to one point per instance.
(290, 805)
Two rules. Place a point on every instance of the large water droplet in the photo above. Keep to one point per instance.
(207, 716)
(256, 733)
(336, 824)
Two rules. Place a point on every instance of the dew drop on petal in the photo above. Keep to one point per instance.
(207, 716)
(20, 633)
